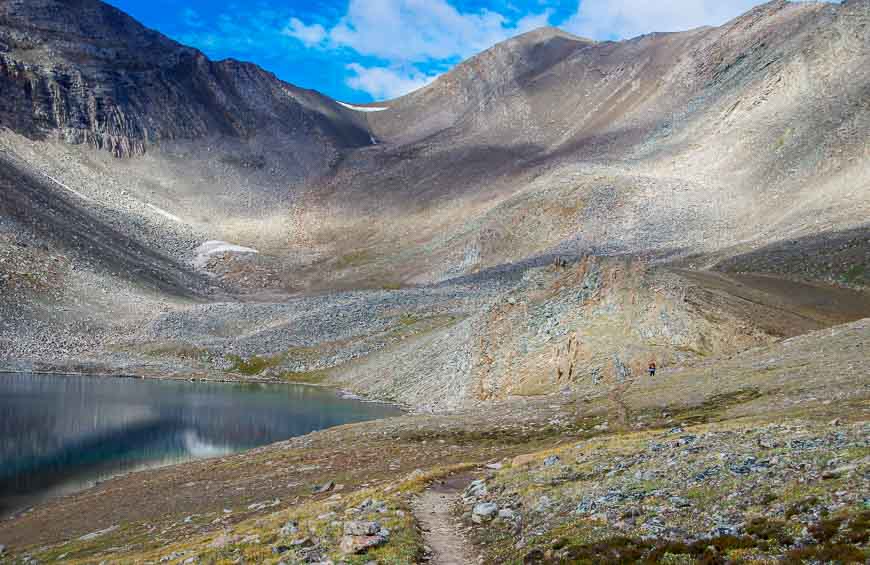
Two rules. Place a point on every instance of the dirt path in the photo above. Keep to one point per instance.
(441, 531)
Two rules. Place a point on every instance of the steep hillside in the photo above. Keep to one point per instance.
(681, 143)
(90, 74)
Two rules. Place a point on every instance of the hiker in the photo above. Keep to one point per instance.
(652, 368)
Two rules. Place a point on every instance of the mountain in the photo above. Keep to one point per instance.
(735, 149)
(503, 252)
(88, 73)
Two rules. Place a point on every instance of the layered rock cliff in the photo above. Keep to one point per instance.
(89, 74)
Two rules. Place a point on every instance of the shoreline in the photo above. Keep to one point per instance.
(231, 379)
(41, 498)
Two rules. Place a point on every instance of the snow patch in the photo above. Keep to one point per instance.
(209, 248)
(60, 184)
(165, 214)
(364, 108)
(98, 533)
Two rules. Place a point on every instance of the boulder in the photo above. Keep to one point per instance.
(358, 528)
(359, 544)
(484, 512)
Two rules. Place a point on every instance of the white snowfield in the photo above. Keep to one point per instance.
(364, 108)
(209, 248)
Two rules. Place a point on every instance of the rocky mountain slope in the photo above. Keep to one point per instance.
(503, 252)
(88, 73)
(470, 220)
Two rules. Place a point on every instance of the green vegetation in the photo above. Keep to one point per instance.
(307, 377)
(713, 406)
(835, 545)
(408, 320)
(254, 365)
(855, 275)
(353, 259)
(180, 350)
(780, 142)
(802, 506)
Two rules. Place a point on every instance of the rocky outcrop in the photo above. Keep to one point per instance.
(86, 73)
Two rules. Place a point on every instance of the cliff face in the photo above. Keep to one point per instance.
(85, 72)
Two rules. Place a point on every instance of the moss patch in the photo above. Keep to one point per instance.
(254, 365)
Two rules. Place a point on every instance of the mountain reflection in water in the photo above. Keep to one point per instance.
(59, 434)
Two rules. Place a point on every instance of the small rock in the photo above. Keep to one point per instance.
(483, 512)
(838, 472)
(507, 514)
(289, 528)
(552, 460)
(723, 530)
(223, 540)
(359, 544)
(372, 505)
(476, 489)
(494, 466)
(543, 504)
(836, 422)
(357, 528)
(766, 442)
(326, 487)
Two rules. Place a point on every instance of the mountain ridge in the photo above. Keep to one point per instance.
(118, 99)
(503, 252)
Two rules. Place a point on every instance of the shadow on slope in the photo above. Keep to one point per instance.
(842, 256)
(34, 203)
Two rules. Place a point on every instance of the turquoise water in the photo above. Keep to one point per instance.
(59, 434)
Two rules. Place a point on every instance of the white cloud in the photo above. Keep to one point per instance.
(605, 19)
(384, 83)
(309, 35)
(422, 30)
(405, 33)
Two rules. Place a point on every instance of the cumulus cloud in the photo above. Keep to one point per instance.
(309, 35)
(608, 19)
(405, 33)
(421, 30)
(384, 83)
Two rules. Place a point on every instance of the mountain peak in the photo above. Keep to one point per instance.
(544, 33)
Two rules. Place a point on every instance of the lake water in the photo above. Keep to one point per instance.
(60, 434)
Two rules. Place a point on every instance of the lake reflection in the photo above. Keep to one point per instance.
(59, 434)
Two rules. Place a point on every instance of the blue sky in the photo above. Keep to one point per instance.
(365, 50)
